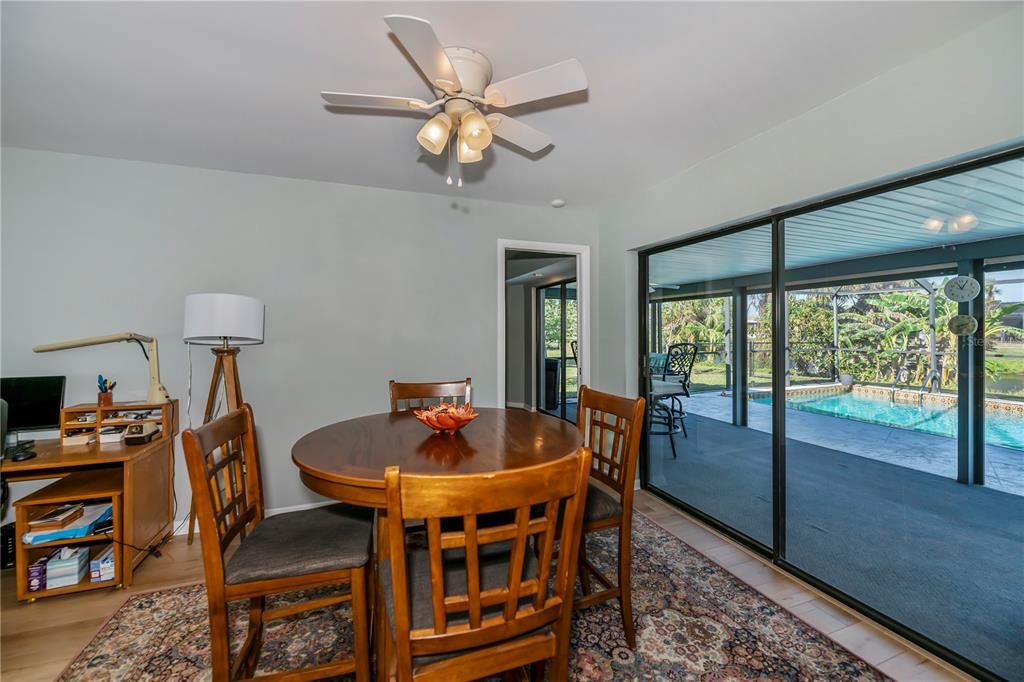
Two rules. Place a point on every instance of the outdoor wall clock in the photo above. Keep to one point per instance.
(962, 325)
(962, 289)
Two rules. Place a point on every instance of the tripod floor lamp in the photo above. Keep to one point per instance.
(224, 321)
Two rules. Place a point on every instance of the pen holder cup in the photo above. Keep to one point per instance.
(105, 399)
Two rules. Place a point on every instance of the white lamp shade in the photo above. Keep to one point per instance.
(211, 318)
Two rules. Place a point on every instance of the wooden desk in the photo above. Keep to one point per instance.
(147, 475)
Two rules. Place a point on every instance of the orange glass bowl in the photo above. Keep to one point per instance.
(446, 417)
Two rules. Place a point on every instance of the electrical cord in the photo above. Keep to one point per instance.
(152, 550)
(143, 347)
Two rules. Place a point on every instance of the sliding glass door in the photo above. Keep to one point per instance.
(558, 343)
(843, 390)
(708, 445)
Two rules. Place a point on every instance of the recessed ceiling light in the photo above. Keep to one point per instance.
(558, 203)
(538, 274)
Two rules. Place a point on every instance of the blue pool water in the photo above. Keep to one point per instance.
(1001, 428)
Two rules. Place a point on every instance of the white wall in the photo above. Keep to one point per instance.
(963, 95)
(361, 285)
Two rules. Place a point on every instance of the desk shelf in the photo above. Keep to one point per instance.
(98, 485)
(165, 415)
(82, 586)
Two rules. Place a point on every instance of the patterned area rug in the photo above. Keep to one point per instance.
(695, 621)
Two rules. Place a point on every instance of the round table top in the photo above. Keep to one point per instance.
(354, 453)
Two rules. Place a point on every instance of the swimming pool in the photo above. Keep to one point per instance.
(1001, 428)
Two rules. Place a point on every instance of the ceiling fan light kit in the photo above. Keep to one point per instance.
(433, 136)
(474, 130)
(463, 77)
(466, 154)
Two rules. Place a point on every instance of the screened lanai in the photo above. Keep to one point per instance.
(900, 448)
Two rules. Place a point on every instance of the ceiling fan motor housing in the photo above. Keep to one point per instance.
(472, 68)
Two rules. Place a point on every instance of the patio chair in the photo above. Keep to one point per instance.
(679, 361)
(668, 420)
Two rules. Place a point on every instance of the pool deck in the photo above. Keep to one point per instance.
(1004, 467)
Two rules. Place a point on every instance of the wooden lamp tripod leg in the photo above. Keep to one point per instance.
(224, 364)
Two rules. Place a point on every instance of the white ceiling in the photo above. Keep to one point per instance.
(235, 85)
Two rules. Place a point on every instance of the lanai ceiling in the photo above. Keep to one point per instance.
(984, 203)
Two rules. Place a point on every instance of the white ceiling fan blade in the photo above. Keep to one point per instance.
(519, 134)
(557, 79)
(418, 38)
(354, 99)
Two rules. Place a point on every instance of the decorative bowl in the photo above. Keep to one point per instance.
(446, 417)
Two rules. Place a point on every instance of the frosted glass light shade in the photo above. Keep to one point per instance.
(467, 155)
(433, 136)
(211, 318)
(475, 131)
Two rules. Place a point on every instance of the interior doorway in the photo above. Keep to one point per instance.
(543, 326)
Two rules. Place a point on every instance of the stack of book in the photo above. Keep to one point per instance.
(112, 434)
(79, 438)
(58, 518)
(84, 524)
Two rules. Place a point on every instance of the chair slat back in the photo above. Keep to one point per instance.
(409, 396)
(224, 472)
(524, 506)
(611, 427)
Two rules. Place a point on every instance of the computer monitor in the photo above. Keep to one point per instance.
(33, 403)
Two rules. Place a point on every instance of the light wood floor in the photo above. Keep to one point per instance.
(38, 640)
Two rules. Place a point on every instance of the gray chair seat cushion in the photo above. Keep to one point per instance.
(303, 542)
(600, 505)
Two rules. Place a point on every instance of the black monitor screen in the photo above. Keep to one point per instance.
(33, 403)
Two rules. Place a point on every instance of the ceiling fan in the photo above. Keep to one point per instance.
(462, 79)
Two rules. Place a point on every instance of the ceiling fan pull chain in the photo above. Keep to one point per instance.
(449, 181)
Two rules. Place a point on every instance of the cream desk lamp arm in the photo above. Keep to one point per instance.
(157, 393)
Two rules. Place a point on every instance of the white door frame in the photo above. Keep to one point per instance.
(582, 253)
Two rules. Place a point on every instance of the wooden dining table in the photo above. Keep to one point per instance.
(346, 461)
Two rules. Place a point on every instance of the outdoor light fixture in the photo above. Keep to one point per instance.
(475, 131)
(433, 136)
(963, 223)
(465, 154)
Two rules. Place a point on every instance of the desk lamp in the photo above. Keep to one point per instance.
(224, 321)
(157, 393)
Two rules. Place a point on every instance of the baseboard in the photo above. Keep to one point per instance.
(521, 406)
(182, 524)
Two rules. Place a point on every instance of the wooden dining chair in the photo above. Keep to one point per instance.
(408, 396)
(475, 602)
(611, 427)
(322, 547)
